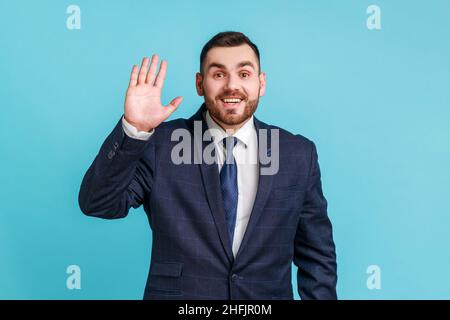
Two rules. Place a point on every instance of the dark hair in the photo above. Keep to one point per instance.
(228, 39)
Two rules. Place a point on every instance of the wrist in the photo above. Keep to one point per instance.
(139, 126)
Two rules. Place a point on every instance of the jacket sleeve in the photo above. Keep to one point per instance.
(120, 177)
(314, 253)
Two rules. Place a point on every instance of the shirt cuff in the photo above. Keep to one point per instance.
(132, 132)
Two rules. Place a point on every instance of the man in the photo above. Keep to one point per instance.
(221, 229)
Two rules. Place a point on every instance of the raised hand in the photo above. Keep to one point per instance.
(143, 108)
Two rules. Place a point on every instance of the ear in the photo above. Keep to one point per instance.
(262, 84)
(198, 83)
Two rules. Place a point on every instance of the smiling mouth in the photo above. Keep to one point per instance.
(231, 101)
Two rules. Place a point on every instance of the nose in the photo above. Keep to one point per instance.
(232, 83)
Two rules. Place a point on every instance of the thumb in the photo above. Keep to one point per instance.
(174, 104)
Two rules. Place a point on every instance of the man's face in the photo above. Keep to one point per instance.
(231, 84)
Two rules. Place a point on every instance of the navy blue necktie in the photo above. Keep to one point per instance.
(228, 183)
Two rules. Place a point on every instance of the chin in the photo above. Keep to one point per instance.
(233, 119)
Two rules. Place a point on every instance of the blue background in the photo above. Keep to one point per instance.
(376, 102)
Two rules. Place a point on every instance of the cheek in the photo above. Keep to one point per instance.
(211, 88)
(252, 88)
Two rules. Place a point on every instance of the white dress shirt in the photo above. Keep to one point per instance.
(246, 156)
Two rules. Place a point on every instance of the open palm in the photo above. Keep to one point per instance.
(143, 107)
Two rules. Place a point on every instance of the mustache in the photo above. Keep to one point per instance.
(232, 94)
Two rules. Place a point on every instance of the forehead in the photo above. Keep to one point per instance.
(231, 56)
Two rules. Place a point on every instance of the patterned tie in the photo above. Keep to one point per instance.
(228, 183)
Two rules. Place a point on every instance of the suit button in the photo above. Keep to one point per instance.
(116, 145)
(111, 154)
(234, 277)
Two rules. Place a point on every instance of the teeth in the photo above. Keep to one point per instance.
(231, 100)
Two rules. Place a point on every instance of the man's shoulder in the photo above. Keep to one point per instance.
(289, 138)
(173, 124)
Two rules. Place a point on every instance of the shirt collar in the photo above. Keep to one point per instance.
(243, 134)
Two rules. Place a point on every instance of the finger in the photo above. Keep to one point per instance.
(161, 74)
(152, 72)
(134, 76)
(143, 71)
(174, 104)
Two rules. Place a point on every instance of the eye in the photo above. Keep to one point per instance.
(219, 75)
(245, 75)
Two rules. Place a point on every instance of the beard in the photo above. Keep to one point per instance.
(231, 117)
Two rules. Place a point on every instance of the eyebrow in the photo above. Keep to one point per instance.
(240, 65)
(246, 63)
